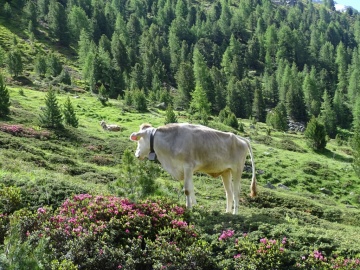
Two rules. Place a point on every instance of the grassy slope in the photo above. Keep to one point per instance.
(302, 211)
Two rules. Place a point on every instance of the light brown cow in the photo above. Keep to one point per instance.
(183, 149)
(111, 127)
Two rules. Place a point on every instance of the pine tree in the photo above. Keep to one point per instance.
(69, 114)
(4, 98)
(51, 116)
(170, 116)
(315, 134)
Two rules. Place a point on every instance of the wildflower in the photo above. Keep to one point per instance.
(237, 256)
(226, 234)
(127, 231)
(284, 241)
(272, 242)
(41, 210)
(263, 240)
(281, 249)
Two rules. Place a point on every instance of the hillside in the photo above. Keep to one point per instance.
(308, 200)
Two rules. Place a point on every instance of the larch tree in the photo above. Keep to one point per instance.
(14, 62)
(327, 116)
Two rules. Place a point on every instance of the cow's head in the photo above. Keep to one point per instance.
(143, 139)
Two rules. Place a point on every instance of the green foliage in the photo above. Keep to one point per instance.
(170, 116)
(138, 179)
(10, 199)
(40, 64)
(355, 142)
(315, 134)
(51, 116)
(65, 77)
(7, 10)
(2, 55)
(53, 64)
(200, 105)
(227, 117)
(70, 117)
(14, 62)
(103, 94)
(277, 118)
(139, 100)
(4, 98)
(327, 116)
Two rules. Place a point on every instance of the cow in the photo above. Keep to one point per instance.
(111, 127)
(183, 149)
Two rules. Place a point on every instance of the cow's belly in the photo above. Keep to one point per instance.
(213, 169)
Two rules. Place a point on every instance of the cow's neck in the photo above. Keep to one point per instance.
(152, 154)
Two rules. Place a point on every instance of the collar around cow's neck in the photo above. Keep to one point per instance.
(152, 154)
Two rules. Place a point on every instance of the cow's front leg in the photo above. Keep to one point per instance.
(189, 187)
(226, 177)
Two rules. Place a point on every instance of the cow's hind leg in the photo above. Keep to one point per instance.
(189, 187)
(236, 181)
(226, 178)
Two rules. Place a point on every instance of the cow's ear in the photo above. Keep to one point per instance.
(135, 136)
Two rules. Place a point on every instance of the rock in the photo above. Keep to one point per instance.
(283, 186)
(269, 185)
(161, 106)
(326, 191)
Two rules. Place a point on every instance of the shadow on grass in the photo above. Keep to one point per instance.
(333, 155)
(215, 221)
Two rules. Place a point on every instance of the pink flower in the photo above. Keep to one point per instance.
(237, 256)
(226, 234)
(127, 231)
(281, 249)
(41, 210)
(263, 240)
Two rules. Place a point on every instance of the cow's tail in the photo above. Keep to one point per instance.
(253, 191)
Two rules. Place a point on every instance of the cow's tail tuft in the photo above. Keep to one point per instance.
(253, 191)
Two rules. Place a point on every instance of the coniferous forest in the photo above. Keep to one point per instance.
(249, 56)
(72, 195)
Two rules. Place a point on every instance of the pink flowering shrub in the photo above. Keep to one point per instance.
(318, 260)
(103, 232)
(21, 131)
(267, 254)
